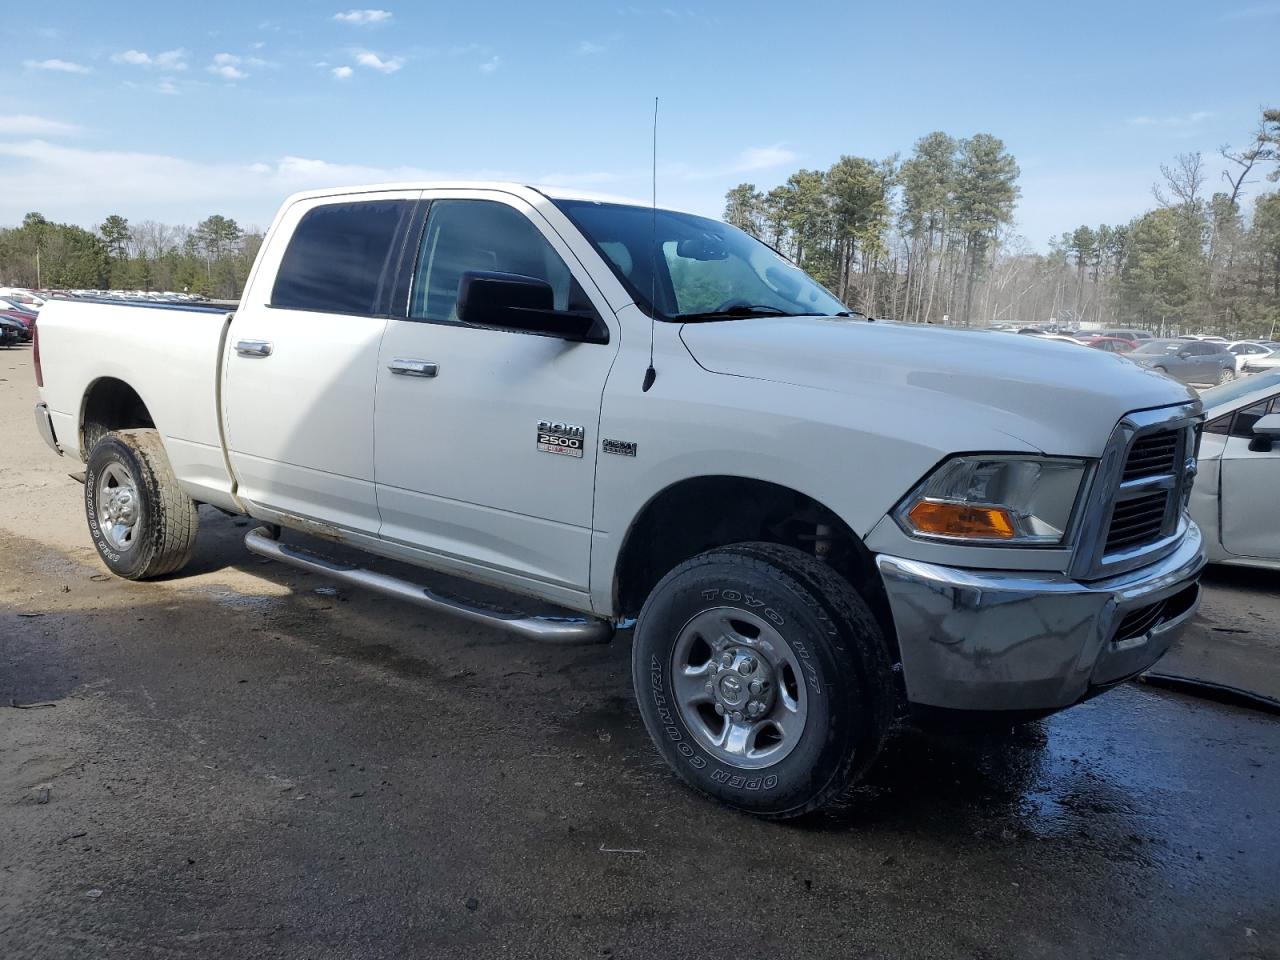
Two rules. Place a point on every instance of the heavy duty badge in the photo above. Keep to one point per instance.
(564, 439)
(623, 448)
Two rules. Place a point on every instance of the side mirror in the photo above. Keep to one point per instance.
(1266, 430)
(1268, 426)
(510, 301)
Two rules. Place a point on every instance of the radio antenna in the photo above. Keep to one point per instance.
(651, 374)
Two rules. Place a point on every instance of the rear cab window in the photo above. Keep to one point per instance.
(340, 258)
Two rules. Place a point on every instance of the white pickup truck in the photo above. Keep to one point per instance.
(650, 418)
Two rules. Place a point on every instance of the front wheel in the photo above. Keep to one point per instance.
(763, 678)
(142, 523)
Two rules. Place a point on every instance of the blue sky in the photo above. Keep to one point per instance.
(173, 111)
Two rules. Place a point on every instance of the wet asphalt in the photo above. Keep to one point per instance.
(232, 764)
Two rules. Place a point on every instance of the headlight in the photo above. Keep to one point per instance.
(1021, 501)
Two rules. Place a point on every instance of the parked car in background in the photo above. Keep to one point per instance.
(1243, 350)
(1234, 500)
(13, 303)
(1191, 361)
(1134, 336)
(23, 319)
(25, 297)
(1264, 362)
(11, 332)
(1110, 344)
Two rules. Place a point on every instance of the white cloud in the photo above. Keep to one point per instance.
(491, 65)
(367, 58)
(58, 66)
(589, 48)
(27, 125)
(167, 87)
(227, 66)
(81, 185)
(363, 18)
(1184, 120)
(764, 158)
(342, 73)
(166, 60)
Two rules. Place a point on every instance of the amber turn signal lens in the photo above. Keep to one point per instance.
(961, 520)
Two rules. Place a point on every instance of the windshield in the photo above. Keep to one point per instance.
(703, 269)
(1161, 346)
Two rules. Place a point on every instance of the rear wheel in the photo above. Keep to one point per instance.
(1227, 375)
(141, 522)
(763, 678)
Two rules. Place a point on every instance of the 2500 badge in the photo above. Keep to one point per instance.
(563, 439)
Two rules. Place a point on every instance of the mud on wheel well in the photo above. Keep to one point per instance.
(110, 404)
(701, 514)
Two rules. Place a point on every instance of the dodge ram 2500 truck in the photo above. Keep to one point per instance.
(638, 414)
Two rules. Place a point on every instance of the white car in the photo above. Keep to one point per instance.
(1263, 363)
(652, 419)
(1236, 496)
(1247, 350)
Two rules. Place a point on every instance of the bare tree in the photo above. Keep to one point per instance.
(1182, 182)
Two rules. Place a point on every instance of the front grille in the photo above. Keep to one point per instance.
(1138, 521)
(1137, 622)
(1152, 456)
(1152, 474)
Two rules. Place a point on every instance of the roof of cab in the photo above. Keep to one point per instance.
(526, 190)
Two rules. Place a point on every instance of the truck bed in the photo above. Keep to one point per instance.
(169, 354)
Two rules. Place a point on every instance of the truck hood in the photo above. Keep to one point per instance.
(1055, 397)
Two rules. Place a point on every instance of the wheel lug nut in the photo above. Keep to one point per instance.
(757, 687)
(737, 715)
(726, 658)
(747, 666)
(720, 709)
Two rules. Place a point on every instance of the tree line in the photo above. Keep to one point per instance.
(212, 258)
(928, 239)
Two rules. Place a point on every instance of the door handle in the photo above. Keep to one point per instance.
(414, 368)
(253, 348)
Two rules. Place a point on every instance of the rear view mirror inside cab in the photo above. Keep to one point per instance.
(706, 247)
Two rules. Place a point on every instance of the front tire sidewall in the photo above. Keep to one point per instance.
(821, 754)
(130, 563)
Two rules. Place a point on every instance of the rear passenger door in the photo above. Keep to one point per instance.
(302, 359)
(462, 475)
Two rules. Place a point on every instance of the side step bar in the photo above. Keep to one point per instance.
(560, 630)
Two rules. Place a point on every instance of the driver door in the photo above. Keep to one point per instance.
(464, 472)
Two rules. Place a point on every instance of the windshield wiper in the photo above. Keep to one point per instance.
(738, 310)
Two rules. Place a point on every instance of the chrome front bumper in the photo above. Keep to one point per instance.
(44, 424)
(990, 640)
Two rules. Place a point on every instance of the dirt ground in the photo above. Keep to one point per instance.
(232, 764)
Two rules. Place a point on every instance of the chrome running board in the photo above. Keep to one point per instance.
(558, 630)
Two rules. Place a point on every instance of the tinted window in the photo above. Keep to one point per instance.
(1220, 425)
(338, 257)
(464, 235)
